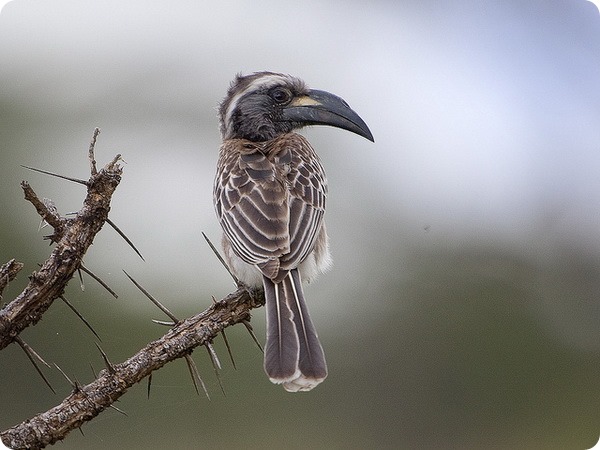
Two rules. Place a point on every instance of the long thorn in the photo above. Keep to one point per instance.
(99, 280)
(43, 224)
(33, 352)
(118, 230)
(228, 348)
(149, 383)
(118, 410)
(220, 258)
(251, 331)
(87, 324)
(196, 376)
(45, 172)
(93, 371)
(107, 363)
(30, 354)
(214, 300)
(213, 355)
(164, 322)
(189, 363)
(153, 300)
(81, 283)
(215, 363)
(73, 385)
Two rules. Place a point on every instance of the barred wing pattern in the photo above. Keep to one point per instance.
(270, 200)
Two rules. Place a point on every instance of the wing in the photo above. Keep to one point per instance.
(307, 185)
(251, 203)
(270, 200)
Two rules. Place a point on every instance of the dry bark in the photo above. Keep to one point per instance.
(72, 238)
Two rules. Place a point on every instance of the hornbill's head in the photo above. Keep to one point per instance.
(264, 105)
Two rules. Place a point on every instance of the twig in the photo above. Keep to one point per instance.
(8, 272)
(48, 215)
(91, 157)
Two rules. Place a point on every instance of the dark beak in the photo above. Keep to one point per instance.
(323, 108)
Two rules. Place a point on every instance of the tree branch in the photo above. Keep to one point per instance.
(73, 237)
(86, 402)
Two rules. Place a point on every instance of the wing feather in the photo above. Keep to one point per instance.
(270, 200)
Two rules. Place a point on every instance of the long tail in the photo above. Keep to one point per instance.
(293, 354)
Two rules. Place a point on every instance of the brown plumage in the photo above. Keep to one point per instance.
(270, 192)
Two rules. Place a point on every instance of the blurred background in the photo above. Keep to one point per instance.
(463, 309)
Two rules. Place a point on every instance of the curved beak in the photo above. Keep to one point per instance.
(323, 108)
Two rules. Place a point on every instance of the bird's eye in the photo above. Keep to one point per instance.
(281, 95)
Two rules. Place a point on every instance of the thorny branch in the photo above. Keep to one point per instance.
(72, 238)
(86, 402)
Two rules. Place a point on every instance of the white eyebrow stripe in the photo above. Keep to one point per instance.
(265, 81)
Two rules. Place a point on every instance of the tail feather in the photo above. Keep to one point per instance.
(293, 353)
(282, 348)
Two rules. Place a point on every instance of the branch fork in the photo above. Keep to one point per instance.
(72, 238)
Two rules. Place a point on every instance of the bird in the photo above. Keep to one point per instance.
(270, 193)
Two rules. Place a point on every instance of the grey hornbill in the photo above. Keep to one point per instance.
(269, 195)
